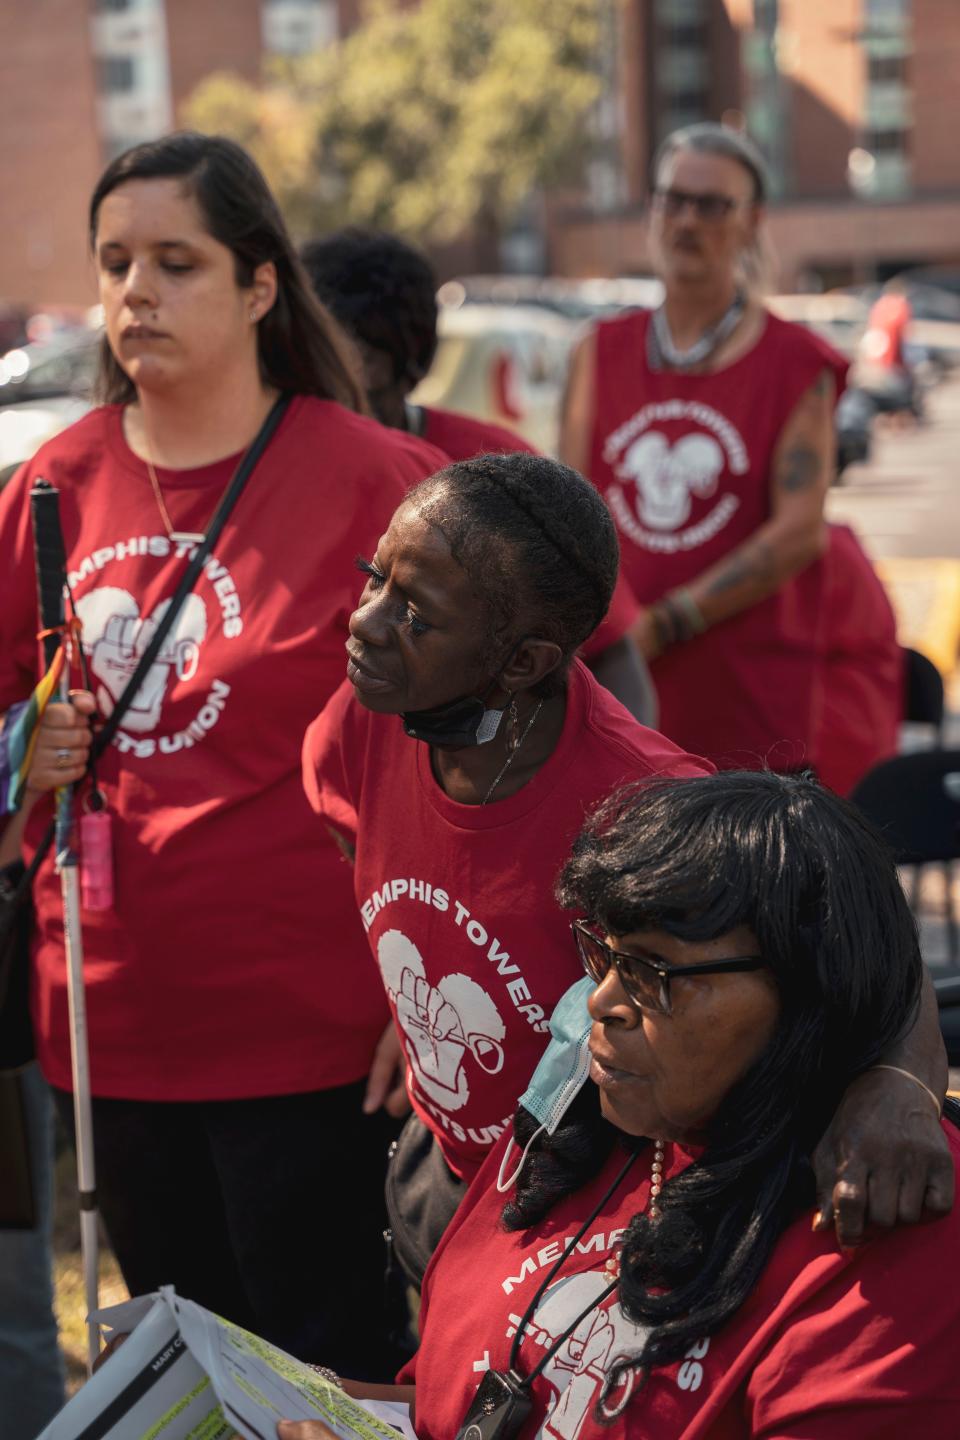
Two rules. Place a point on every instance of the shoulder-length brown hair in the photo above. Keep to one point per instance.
(300, 347)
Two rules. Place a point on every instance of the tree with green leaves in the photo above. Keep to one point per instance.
(426, 121)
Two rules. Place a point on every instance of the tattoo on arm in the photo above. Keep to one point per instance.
(754, 565)
(799, 469)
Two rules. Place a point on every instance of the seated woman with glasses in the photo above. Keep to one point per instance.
(749, 952)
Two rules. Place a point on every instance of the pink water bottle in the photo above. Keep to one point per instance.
(96, 860)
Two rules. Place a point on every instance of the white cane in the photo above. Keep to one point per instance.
(51, 579)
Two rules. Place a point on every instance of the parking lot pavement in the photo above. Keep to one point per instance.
(903, 503)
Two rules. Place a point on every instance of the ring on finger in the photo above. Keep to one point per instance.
(64, 758)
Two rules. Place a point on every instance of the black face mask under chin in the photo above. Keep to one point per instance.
(462, 722)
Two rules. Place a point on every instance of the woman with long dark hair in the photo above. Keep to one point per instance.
(749, 953)
(232, 1010)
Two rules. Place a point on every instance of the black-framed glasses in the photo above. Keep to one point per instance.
(646, 981)
(707, 206)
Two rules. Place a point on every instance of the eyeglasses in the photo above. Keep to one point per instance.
(645, 980)
(708, 206)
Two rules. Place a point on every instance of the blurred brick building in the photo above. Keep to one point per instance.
(855, 103)
(80, 80)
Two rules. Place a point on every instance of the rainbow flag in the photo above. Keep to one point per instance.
(18, 737)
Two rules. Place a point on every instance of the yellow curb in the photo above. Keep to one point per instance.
(925, 595)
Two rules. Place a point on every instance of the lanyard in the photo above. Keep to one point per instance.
(531, 1308)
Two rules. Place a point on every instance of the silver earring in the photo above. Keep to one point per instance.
(514, 737)
(253, 314)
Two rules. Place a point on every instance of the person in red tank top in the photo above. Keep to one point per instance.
(707, 426)
(383, 292)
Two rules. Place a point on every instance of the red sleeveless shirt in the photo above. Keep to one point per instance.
(683, 462)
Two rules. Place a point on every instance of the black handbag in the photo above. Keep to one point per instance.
(17, 1208)
(422, 1194)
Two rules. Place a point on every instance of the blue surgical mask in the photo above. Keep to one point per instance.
(561, 1073)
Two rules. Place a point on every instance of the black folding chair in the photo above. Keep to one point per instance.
(915, 800)
(923, 691)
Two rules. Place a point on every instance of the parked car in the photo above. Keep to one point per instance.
(854, 421)
(505, 363)
(838, 318)
(44, 387)
(575, 299)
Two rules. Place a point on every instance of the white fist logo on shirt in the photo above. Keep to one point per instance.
(666, 476)
(443, 1024)
(577, 1371)
(114, 638)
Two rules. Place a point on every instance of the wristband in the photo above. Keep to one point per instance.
(663, 627)
(331, 1376)
(690, 610)
(678, 621)
(898, 1070)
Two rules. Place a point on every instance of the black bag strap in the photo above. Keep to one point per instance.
(191, 574)
(187, 581)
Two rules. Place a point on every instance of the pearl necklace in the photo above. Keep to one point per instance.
(612, 1262)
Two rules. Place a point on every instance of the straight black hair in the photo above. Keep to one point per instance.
(382, 291)
(300, 347)
(819, 889)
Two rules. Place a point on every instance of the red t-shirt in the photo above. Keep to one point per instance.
(828, 1347)
(863, 670)
(463, 437)
(232, 963)
(457, 900)
(684, 462)
(619, 620)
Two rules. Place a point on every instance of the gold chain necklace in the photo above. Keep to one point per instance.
(176, 537)
(513, 753)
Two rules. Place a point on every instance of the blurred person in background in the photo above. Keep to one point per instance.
(708, 428)
(383, 293)
(884, 368)
(233, 1010)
